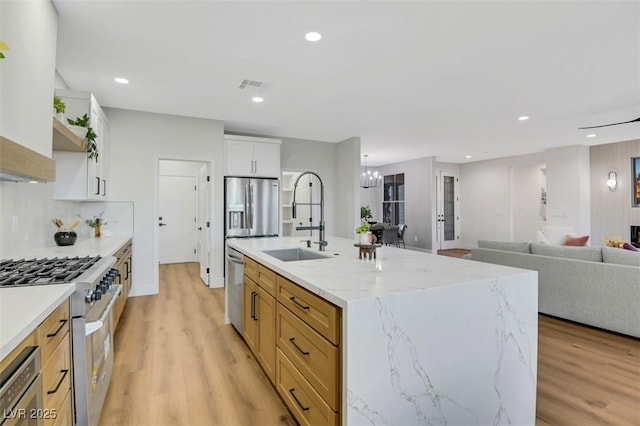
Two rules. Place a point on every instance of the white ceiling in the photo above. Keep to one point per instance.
(412, 79)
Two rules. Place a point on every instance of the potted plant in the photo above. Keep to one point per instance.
(364, 234)
(89, 136)
(365, 214)
(59, 107)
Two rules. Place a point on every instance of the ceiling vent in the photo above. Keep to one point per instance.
(252, 83)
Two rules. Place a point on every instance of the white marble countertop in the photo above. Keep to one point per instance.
(103, 246)
(23, 309)
(343, 277)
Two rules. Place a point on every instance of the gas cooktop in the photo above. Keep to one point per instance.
(43, 271)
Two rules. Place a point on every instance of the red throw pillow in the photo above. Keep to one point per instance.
(628, 246)
(576, 241)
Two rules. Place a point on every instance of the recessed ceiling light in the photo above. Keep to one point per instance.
(313, 36)
(257, 99)
(33, 181)
(523, 118)
(467, 156)
(121, 80)
(591, 135)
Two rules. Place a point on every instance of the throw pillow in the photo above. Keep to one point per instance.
(576, 241)
(628, 246)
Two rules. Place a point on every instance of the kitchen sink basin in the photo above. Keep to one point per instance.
(294, 254)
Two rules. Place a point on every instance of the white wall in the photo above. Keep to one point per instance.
(486, 190)
(138, 141)
(30, 29)
(418, 178)
(179, 168)
(348, 175)
(568, 188)
(611, 211)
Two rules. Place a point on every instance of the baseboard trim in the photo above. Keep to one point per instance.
(147, 290)
(216, 282)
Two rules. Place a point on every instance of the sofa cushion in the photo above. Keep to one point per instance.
(576, 241)
(620, 256)
(518, 247)
(591, 254)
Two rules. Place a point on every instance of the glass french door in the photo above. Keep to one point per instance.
(447, 209)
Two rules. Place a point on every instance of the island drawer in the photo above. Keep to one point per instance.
(313, 355)
(262, 275)
(321, 315)
(52, 330)
(307, 406)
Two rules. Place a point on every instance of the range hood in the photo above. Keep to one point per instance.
(21, 164)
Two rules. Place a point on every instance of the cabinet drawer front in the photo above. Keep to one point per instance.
(267, 280)
(52, 330)
(64, 415)
(305, 403)
(251, 268)
(313, 355)
(56, 375)
(315, 311)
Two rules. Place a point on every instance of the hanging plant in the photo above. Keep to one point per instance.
(90, 137)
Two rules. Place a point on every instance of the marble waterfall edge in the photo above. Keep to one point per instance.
(463, 354)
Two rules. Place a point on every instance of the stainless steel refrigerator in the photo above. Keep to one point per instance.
(252, 207)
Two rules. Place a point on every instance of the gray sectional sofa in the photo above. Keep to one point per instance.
(597, 286)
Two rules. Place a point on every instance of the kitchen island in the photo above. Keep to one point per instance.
(425, 339)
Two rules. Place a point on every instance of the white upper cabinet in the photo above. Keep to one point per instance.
(249, 156)
(77, 176)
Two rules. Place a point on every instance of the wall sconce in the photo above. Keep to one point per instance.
(612, 181)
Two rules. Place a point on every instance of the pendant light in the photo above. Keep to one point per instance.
(369, 179)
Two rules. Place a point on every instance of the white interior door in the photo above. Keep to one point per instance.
(204, 221)
(177, 219)
(447, 209)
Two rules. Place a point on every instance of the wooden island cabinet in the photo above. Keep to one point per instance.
(295, 337)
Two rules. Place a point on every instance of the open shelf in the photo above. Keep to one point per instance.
(64, 139)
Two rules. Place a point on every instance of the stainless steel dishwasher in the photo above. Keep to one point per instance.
(235, 268)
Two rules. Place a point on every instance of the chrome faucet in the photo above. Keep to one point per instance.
(321, 241)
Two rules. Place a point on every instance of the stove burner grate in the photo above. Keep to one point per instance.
(43, 271)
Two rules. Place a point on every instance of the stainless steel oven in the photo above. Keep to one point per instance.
(92, 303)
(21, 390)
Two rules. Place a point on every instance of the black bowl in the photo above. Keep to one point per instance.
(65, 238)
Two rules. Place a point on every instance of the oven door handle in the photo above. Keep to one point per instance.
(93, 326)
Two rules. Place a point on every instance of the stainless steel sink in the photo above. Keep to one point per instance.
(295, 254)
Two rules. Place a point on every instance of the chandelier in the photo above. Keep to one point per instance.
(369, 179)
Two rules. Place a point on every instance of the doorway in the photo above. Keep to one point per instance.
(184, 214)
(447, 184)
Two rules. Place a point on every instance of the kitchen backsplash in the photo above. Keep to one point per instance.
(26, 211)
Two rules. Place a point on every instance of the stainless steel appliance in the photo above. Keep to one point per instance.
(91, 306)
(21, 389)
(235, 270)
(251, 207)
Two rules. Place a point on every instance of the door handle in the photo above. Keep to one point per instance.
(162, 224)
(199, 228)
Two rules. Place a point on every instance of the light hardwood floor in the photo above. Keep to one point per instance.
(176, 363)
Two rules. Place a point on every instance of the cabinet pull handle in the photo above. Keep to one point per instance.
(62, 323)
(64, 374)
(104, 187)
(253, 302)
(293, 342)
(291, 391)
(126, 265)
(301, 306)
(98, 190)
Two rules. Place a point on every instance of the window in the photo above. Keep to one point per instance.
(393, 204)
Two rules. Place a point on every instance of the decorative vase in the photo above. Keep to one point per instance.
(65, 238)
(365, 238)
